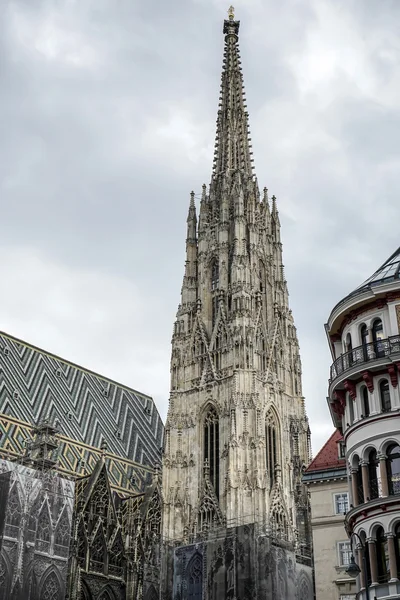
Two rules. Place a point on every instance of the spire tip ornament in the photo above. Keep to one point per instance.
(231, 13)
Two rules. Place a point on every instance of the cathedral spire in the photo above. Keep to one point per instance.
(232, 144)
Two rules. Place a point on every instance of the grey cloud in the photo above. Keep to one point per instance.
(107, 118)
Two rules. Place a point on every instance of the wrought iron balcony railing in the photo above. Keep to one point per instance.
(365, 354)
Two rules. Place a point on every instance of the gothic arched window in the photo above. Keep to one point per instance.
(384, 394)
(43, 531)
(272, 445)
(14, 512)
(214, 275)
(195, 578)
(115, 557)
(62, 535)
(98, 552)
(211, 446)
(51, 588)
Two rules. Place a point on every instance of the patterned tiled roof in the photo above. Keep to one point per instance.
(328, 457)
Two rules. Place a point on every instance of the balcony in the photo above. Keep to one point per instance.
(365, 354)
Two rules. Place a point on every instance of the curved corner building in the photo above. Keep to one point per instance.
(363, 333)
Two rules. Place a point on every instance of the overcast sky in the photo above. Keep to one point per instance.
(107, 118)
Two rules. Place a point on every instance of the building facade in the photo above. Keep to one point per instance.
(88, 408)
(237, 434)
(326, 479)
(364, 338)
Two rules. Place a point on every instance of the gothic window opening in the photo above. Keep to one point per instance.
(98, 552)
(44, 530)
(51, 588)
(211, 447)
(116, 556)
(99, 500)
(14, 513)
(195, 578)
(62, 535)
(384, 394)
(280, 524)
(214, 276)
(271, 443)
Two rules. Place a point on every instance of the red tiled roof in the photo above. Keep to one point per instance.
(328, 456)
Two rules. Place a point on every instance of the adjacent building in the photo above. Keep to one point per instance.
(88, 409)
(364, 338)
(235, 512)
(326, 479)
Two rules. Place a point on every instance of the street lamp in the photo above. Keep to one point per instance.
(353, 569)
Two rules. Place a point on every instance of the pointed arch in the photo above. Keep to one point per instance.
(14, 511)
(106, 594)
(85, 593)
(51, 585)
(116, 556)
(44, 529)
(272, 444)
(195, 577)
(151, 593)
(62, 534)
(98, 551)
(211, 445)
(5, 576)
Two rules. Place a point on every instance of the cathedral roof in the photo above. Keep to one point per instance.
(328, 457)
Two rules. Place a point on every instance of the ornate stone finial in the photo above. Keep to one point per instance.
(191, 199)
(104, 447)
(231, 13)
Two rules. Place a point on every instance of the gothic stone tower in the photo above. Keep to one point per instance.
(237, 434)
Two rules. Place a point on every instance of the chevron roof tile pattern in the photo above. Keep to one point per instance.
(89, 408)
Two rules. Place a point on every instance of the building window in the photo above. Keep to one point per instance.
(341, 503)
(195, 578)
(271, 442)
(365, 402)
(377, 337)
(349, 348)
(393, 469)
(349, 403)
(382, 555)
(214, 275)
(344, 551)
(364, 340)
(384, 394)
(211, 446)
(373, 465)
(342, 449)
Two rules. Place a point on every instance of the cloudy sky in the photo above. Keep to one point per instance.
(107, 115)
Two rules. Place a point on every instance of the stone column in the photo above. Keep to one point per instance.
(365, 480)
(354, 487)
(392, 557)
(363, 574)
(383, 473)
(373, 562)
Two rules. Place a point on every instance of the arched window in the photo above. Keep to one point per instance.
(382, 555)
(98, 552)
(364, 340)
(360, 488)
(214, 275)
(349, 348)
(115, 557)
(393, 469)
(366, 554)
(349, 402)
(365, 402)
(14, 512)
(106, 594)
(51, 588)
(384, 395)
(62, 535)
(397, 545)
(377, 337)
(195, 578)
(211, 446)
(373, 464)
(43, 532)
(272, 446)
